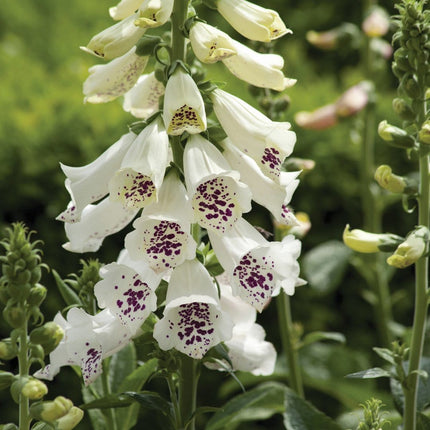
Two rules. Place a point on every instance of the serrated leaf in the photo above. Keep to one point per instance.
(259, 403)
(325, 265)
(69, 296)
(318, 336)
(375, 372)
(301, 415)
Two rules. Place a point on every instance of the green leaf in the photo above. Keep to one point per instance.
(375, 372)
(121, 364)
(385, 354)
(259, 403)
(67, 293)
(325, 265)
(423, 422)
(151, 400)
(318, 336)
(301, 415)
(117, 400)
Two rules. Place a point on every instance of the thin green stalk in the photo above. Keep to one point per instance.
(188, 379)
(174, 399)
(110, 412)
(288, 342)
(23, 363)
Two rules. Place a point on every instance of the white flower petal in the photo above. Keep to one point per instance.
(183, 109)
(153, 13)
(109, 81)
(124, 8)
(142, 100)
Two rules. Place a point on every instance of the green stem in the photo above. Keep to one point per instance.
(23, 363)
(174, 399)
(188, 379)
(110, 412)
(288, 342)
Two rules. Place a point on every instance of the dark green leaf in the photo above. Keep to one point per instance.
(325, 265)
(375, 372)
(121, 364)
(67, 293)
(151, 400)
(117, 400)
(135, 380)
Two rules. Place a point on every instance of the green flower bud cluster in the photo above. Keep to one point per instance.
(372, 415)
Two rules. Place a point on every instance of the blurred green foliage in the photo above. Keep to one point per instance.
(43, 121)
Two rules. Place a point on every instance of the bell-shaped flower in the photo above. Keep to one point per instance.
(266, 141)
(143, 99)
(260, 70)
(252, 21)
(124, 9)
(87, 184)
(109, 81)
(319, 119)
(161, 236)
(193, 321)
(136, 184)
(153, 13)
(258, 269)
(128, 295)
(210, 44)
(184, 109)
(274, 196)
(376, 23)
(115, 40)
(97, 222)
(218, 197)
(87, 341)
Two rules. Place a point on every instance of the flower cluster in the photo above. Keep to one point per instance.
(170, 176)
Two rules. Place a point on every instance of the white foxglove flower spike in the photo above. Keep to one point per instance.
(137, 182)
(258, 269)
(143, 99)
(252, 21)
(184, 109)
(218, 197)
(115, 40)
(127, 295)
(124, 9)
(153, 13)
(266, 141)
(97, 222)
(87, 341)
(161, 236)
(87, 184)
(210, 44)
(274, 196)
(109, 81)
(193, 321)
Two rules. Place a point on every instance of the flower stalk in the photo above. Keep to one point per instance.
(23, 363)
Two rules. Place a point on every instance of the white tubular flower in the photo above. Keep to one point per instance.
(161, 236)
(137, 182)
(97, 222)
(193, 321)
(87, 341)
(153, 13)
(124, 8)
(260, 70)
(252, 21)
(257, 268)
(115, 40)
(266, 141)
(142, 100)
(109, 81)
(127, 295)
(218, 197)
(183, 109)
(272, 195)
(210, 44)
(87, 184)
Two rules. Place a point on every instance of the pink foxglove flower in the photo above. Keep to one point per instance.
(218, 197)
(376, 23)
(143, 99)
(258, 269)
(161, 237)
(115, 40)
(124, 9)
(184, 109)
(87, 341)
(266, 141)
(274, 196)
(251, 20)
(193, 321)
(109, 81)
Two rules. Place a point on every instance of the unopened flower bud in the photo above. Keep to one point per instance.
(403, 109)
(31, 388)
(37, 295)
(395, 135)
(377, 23)
(14, 315)
(424, 133)
(401, 59)
(49, 336)
(51, 410)
(388, 180)
(6, 379)
(71, 420)
(362, 241)
(8, 350)
(37, 352)
(411, 250)
(411, 86)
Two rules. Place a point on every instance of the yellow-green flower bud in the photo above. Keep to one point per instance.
(71, 420)
(34, 389)
(385, 177)
(395, 135)
(37, 295)
(8, 350)
(411, 250)
(51, 410)
(403, 109)
(14, 315)
(362, 241)
(49, 332)
(424, 133)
